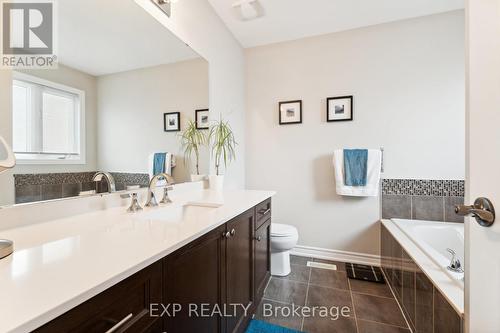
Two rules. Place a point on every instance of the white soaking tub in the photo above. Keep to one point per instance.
(434, 238)
(425, 242)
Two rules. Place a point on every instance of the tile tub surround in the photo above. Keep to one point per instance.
(431, 200)
(426, 309)
(373, 307)
(50, 186)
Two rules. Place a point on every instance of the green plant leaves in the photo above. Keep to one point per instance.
(191, 140)
(223, 143)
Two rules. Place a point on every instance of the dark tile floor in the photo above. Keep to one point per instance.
(335, 303)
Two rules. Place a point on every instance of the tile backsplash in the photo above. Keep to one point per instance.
(49, 186)
(417, 199)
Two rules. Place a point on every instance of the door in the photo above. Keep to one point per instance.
(194, 275)
(239, 269)
(262, 253)
(482, 248)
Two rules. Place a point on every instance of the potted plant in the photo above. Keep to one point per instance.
(223, 143)
(192, 139)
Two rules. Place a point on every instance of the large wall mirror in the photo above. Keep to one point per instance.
(124, 90)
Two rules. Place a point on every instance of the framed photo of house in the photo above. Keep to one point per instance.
(172, 121)
(339, 108)
(290, 112)
(201, 118)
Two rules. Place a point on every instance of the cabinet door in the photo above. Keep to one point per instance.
(239, 269)
(123, 307)
(262, 260)
(194, 275)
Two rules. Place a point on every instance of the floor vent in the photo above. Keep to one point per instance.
(321, 265)
(364, 272)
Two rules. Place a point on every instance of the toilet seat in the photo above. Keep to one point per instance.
(283, 230)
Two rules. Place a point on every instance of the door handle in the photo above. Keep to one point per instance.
(265, 211)
(120, 323)
(482, 210)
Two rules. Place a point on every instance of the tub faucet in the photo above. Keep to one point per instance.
(455, 265)
(152, 202)
(109, 180)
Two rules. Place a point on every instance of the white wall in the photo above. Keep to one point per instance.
(407, 79)
(131, 107)
(196, 23)
(66, 76)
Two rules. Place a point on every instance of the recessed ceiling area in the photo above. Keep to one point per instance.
(285, 20)
(102, 37)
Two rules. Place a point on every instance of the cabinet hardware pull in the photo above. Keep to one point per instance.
(226, 234)
(233, 232)
(120, 323)
(265, 212)
(258, 239)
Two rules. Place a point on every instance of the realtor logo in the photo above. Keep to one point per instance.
(28, 31)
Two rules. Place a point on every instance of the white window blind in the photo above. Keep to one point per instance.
(47, 121)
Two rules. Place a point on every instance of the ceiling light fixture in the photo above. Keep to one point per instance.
(247, 10)
(165, 5)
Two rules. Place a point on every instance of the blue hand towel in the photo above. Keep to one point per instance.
(355, 167)
(159, 163)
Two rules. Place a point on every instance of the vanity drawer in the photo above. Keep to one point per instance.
(262, 213)
(124, 307)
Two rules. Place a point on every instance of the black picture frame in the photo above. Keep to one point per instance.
(166, 126)
(351, 103)
(197, 119)
(282, 121)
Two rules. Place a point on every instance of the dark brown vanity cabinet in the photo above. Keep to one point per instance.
(122, 308)
(209, 277)
(199, 288)
(262, 260)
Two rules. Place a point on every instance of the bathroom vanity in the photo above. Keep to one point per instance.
(118, 272)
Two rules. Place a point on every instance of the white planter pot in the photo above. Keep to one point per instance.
(216, 182)
(197, 178)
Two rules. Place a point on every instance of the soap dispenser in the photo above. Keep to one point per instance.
(10, 161)
(6, 246)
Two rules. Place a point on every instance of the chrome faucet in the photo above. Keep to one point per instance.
(152, 202)
(455, 265)
(109, 180)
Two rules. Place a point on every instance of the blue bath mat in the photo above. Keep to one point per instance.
(258, 326)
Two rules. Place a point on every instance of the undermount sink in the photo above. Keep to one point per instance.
(175, 214)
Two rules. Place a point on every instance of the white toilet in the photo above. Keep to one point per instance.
(283, 238)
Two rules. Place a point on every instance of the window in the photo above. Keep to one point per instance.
(48, 122)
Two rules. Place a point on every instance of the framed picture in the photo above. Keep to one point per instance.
(339, 108)
(172, 121)
(201, 118)
(290, 112)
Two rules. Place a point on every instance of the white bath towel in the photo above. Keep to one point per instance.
(372, 179)
(170, 162)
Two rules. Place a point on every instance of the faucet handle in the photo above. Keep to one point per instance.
(455, 265)
(166, 199)
(134, 206)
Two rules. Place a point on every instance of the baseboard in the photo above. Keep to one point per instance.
(337, 255)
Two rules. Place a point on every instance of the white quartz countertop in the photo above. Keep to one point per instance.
(60, 264)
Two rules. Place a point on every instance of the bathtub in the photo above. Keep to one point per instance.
(433, 238)
(411, 248)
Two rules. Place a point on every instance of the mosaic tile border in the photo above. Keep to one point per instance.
(53, 178)
(424, 187)
(77, 177)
